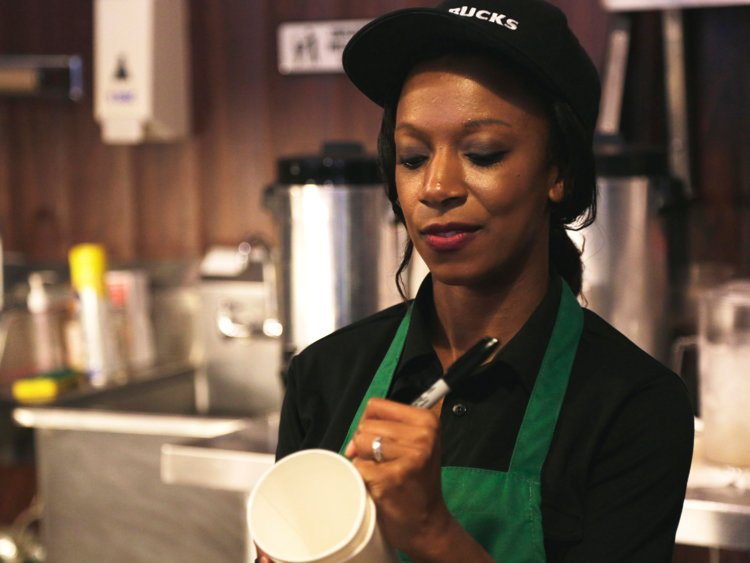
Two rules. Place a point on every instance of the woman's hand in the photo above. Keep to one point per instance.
(405, 485)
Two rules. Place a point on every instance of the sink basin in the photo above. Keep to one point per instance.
(108, 496)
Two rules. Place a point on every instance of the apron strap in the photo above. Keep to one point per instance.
(382, 380)
(538, 426)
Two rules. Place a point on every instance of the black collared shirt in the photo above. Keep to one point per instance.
(615, 476)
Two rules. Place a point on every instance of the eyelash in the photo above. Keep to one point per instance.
(486, 159)
(412, 162)
(479, 159)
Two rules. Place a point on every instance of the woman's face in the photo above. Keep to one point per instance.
(472, 171)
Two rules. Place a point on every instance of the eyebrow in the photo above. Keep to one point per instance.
(475, 124)
(471, 124)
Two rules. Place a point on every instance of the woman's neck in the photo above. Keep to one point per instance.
(466, 314)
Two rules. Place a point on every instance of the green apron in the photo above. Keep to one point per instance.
(502, 510)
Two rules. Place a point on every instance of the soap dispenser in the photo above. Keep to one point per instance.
(141, 70)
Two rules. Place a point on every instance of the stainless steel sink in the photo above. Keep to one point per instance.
(147, 471)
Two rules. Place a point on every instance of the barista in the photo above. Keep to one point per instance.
(571, 444)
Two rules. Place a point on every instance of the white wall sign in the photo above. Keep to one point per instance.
(314, 47)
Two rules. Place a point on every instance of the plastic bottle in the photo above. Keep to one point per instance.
(46, 327)
(102, 361)
(129, 296)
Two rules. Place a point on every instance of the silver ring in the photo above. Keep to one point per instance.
(377, 449)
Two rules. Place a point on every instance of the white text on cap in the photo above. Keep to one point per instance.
(486, 15)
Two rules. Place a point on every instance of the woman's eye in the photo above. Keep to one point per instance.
(486, 159)
(412, 162)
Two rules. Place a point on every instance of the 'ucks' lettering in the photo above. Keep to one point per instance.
(486, 15)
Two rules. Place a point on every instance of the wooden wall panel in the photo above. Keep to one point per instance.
(643, 115)
(42, 206)
(60, 185)
(5, 203)
(159, 201)
(166, 200)
(17, 489)
(5, 191)
(591, 25)
(232, 135)
(720, 68)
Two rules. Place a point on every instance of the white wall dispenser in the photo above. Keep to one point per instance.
(141, 70)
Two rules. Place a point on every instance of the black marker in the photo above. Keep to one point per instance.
(459, 370)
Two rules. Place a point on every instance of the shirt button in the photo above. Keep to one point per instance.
(459, 409)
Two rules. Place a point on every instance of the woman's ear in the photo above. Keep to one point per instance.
(556, 191)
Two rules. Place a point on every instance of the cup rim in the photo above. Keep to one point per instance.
(357, 521)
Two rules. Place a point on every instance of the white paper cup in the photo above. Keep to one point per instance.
(313, 507)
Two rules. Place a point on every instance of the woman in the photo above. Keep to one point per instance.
(571, 444)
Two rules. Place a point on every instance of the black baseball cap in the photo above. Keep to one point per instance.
(531, 35)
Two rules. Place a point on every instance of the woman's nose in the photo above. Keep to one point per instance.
(442, 183)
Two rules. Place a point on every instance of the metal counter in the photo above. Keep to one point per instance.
(231, 462)
(716, 512)
(165, 478)
(99, 460)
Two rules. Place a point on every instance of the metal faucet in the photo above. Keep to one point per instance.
(253, 249)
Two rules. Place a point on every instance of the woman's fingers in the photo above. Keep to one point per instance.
(405, 483)
(391, 430)
(384, 409)
(378, 448)
(397, 422)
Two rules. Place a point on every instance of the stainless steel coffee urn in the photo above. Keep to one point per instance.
(339, 244)
(626, 250)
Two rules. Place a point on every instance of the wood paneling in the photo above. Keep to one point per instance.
(17, 489)
(60, 185)
(720, 71)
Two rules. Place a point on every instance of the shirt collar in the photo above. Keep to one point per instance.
(522, 354)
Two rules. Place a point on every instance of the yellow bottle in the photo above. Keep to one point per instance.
(102, 362)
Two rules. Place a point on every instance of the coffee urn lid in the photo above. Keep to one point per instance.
(339, 163)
